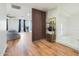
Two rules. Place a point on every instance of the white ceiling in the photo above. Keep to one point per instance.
(40, 6)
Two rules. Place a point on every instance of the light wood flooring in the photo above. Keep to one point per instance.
(38, 48)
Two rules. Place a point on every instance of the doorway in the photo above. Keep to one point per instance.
(38, 24)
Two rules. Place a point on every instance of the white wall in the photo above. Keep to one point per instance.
(3, 45)
(67, 24)
(2, 17)
(69, 14)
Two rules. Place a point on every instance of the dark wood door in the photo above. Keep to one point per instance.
(38, 24)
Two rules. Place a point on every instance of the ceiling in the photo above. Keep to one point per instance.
(40, 6)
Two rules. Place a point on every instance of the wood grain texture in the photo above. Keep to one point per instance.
(38, 24)
(38, 48)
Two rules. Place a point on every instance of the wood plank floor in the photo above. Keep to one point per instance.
(40, 48)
